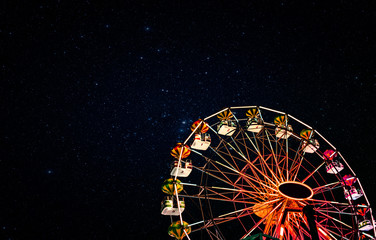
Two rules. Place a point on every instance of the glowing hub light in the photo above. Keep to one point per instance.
(295, 190)
(281, 232)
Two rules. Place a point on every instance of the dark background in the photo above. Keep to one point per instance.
(94, 96)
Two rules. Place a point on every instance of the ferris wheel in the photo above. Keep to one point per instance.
(251, 171)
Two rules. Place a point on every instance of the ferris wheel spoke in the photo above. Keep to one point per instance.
(337, 212)
(279, 222)
(313, 172)
(213, 222)
(257, 171)
(327, 187)
(230, 167)
(251, 179)
(250, 194)
(217, 170)
(326, 231)
(237, 214)
(295, 227)
(296, 163)
(230, 183)
(335, 220)
(313, 201)
(296, 168)
(238, 150)
(224, 159)
(252, 182)
(292, 232)
(265, 168)
(216, 198)
(281, 179)
(263, 161)
(211, 161)
(225, 217)
(287, 160)
(244, 140)
(338, 208)
(261, 220)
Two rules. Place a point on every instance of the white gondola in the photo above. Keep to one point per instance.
(311, 146)
(334, 167)
(282, 132)
(365, 225)
(180, 170)
(254, 125)
(201, 142)
(226, 128)
(168, 207)
(353, 193)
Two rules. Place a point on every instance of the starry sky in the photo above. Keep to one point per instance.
(95, 95)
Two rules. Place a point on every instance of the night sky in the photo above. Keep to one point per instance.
(94, 97)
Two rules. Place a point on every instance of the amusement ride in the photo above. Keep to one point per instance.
(252, 172)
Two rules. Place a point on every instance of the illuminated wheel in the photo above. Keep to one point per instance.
(244, 171)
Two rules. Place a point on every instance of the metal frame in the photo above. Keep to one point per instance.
(248, 169)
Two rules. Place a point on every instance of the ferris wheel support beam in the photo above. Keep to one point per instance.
(309, 212)
(280, 220)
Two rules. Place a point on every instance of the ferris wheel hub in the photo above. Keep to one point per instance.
(295, 190)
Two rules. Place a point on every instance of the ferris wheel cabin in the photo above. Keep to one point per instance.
(254, 125)
(169, 206)
(353, 193)
(226, 127)
(282, 132)
(334, 167)
(181, 171)
(365, 225)
(202, 141)
(311, 146)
